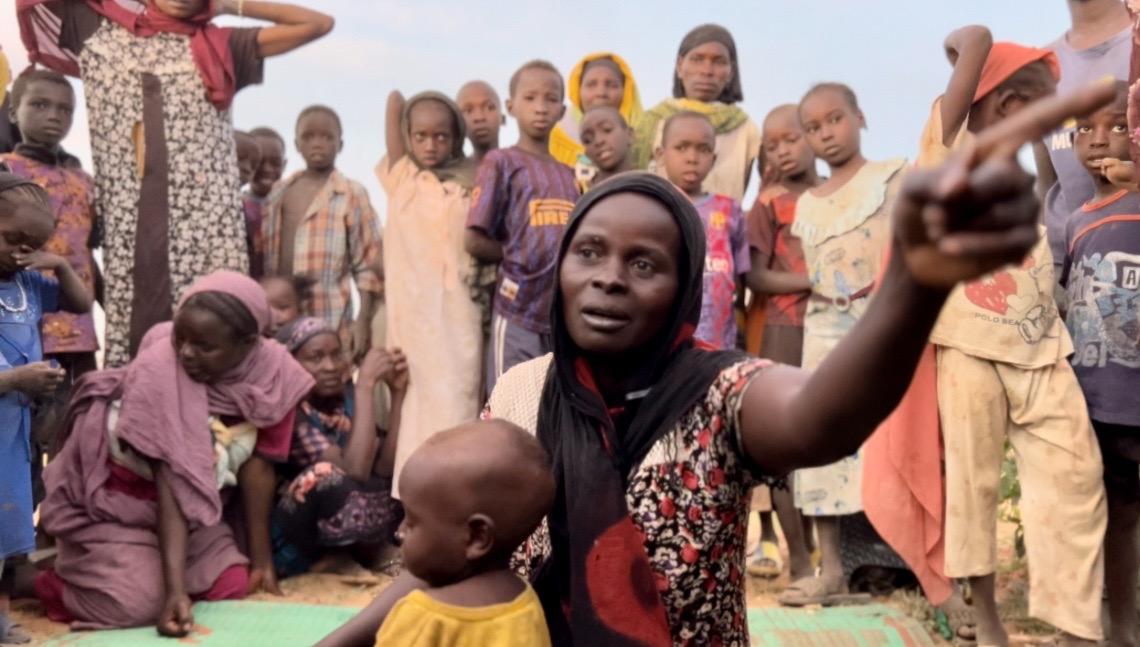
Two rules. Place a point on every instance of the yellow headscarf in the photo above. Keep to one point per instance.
(565, 147)
(5, 76)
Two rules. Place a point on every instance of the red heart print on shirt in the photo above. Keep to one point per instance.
(992, 291)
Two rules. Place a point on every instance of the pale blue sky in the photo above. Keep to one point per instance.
(889, 51)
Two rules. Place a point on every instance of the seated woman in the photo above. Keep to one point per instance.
(339, 495)
(133, 496)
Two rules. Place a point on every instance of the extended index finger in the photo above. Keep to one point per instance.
(1038, 119)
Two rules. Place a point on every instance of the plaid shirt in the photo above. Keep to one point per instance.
(314, 432)
(339, 238)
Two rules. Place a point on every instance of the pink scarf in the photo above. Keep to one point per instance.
(163, 413)
(209, 44)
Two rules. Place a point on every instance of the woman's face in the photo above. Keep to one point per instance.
(181, 9)
(206, 346)
(602, 85)
(619, 277)
(323, 357)
(705, 71)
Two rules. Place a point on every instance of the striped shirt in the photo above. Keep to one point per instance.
(337, 242)
(523, 201)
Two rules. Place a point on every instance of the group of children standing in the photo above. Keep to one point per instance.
(458, 285)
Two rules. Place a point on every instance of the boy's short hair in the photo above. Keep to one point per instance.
(315, 108)
(269, 133)
(841, 88)
(536, 64)
(684, 114)
(20, 86)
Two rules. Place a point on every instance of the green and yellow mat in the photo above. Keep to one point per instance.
(249, 624)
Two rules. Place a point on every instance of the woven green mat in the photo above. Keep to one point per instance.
(250, 624)
(229, 624)
(873, 625)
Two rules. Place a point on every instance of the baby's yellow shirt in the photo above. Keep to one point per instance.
(418, 620)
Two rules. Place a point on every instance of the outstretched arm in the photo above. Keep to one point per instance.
(967, 48)
(361, 630)
(292, 26)
(973, 214)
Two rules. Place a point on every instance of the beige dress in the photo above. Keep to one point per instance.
(844, 236)
(431, 316)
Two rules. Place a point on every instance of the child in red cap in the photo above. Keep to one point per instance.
(1003, 373)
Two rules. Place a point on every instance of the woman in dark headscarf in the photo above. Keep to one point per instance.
(706, 79)
(655, 442)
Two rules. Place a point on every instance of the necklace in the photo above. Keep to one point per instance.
(16, 308)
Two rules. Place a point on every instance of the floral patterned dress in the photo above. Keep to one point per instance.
(166, 168)
(320, 505)
(689, 498)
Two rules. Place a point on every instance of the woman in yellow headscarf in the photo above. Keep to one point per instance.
(600, 79)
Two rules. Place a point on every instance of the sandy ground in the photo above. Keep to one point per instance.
(358, 591)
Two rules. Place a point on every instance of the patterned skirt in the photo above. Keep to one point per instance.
(322, 508)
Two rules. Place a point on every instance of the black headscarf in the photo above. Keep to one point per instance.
(597, 588)
(733, 92)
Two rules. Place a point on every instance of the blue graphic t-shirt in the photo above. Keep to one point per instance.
(1102, 281)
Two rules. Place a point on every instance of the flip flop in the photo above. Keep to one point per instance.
(12, 633)
(809, 591)
(768, 563)
(960, 619)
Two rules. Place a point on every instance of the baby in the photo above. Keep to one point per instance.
(471, 496)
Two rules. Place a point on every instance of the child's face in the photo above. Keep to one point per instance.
(45, 112)
(606, 137)
(537, 102)
(687, 153)
(206, 346)
(832, 126)
(432, 133)
(284, 305)
(785, 145)
(323, 357)
(249, 158)
(601, 86)
(23, 231)
(271, 167)
(705, 71)
(181, 9)
(1103, 135)
(434, 534)
(318, 140)
(480, 107)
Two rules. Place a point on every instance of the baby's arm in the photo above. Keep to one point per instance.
(293, 26)
(967, 48)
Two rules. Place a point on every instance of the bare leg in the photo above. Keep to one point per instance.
(1121, 559)
(792, 524)
(767, 528)
(831, 570)
(990, 630)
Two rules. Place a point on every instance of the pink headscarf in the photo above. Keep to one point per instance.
(209, 44)
(163, 413)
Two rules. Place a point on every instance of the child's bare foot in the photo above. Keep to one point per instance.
(989, 631)
(961, 617)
